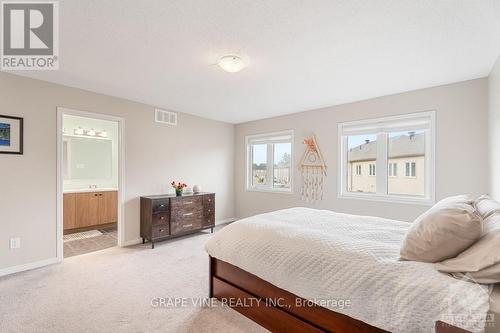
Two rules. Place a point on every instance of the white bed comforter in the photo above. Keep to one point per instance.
(326, 257)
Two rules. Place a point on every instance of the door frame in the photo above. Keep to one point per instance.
(121, 174)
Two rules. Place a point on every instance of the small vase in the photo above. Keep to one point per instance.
(178, 192)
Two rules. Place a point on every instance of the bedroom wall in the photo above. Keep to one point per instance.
(194, 151)
(494, 130)
(461, 147)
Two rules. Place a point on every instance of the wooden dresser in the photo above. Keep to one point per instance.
(168, 216)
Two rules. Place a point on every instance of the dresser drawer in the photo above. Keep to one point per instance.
(160, 231)
(209, 219)
(186, 204)
(160, 205)
(209, 200)
(161, 218)
(182, 222)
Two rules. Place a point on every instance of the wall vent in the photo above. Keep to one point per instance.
(165, 117)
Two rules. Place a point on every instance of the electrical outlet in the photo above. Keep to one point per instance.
(15, 243)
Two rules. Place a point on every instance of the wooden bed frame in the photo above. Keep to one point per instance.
(276, 309)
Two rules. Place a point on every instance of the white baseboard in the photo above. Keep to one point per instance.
(28, 266)
(132, 242)
(226, 221)
(50, 261)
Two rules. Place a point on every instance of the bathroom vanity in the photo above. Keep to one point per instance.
(88, 209)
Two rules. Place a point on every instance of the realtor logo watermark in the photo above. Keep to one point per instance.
(30, 39)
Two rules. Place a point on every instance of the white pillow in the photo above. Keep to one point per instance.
(480, 262)
(444, 231)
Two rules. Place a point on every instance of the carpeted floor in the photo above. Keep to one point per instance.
(112, 291)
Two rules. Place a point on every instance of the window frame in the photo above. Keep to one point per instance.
(268, 138)
(376, 126)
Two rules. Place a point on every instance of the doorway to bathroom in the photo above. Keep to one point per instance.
(90, 156)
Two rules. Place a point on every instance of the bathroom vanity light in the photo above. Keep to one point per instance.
(90, 132)
(78, 131)
(102, 134)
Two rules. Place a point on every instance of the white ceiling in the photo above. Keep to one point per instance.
(302, 54)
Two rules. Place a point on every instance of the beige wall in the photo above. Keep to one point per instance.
(194, 151)
(461, 162)
(494, 130)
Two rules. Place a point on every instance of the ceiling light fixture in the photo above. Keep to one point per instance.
(231, 63)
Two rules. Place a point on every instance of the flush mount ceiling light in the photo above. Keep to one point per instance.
(231, 63)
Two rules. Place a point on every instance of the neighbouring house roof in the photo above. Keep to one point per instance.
(399, 146)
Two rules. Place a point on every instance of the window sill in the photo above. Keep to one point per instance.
(270, 190)
(388, 198)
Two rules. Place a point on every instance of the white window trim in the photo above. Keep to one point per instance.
(270, 152)
(381, 164)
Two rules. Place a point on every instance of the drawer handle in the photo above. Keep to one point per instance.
(188, 225)
(188, 214)
(162, 218)
(188, 202)
(162, 230)
(162, 205)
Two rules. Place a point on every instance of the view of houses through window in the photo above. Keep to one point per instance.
(406, 151)
(270, 159)
(362, 156)
(282, 164)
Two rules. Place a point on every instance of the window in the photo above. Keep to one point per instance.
(358, 170)
(411, 169)
(393, 169)
(381, 145)
(270, 161)
(372, 169)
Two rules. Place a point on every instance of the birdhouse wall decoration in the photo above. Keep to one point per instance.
(313, 169)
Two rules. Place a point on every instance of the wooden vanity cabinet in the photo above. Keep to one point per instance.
(69, 211)
(89, 209)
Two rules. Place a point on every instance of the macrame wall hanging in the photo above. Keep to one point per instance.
(313, 170)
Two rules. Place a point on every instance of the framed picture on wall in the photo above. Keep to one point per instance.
(11, 135)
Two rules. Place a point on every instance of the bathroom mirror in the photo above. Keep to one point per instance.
(87, 158)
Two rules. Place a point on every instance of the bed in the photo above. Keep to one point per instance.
(311, 270)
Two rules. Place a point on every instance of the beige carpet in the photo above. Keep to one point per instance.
(111, 291)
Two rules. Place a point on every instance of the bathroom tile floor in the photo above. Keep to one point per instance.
(81, 246)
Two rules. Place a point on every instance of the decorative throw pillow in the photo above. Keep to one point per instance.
(479, 263)
(444, 231)
(491, 223)
(489, 210)
(486, 206)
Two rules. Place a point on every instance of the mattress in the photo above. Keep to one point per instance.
(350, 264)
